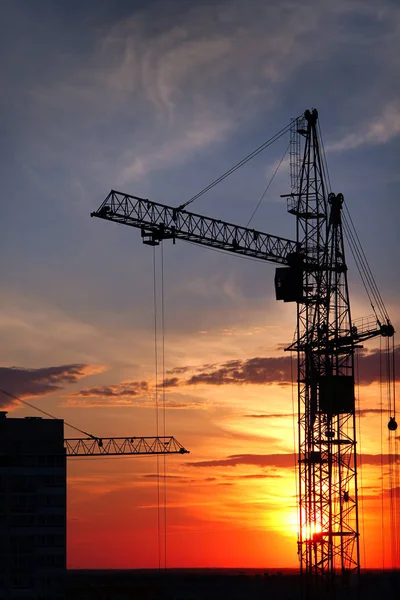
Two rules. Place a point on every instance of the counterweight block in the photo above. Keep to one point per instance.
(289, 284)
(336, 394)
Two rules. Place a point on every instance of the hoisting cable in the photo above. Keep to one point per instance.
(47, 414)
(358, 262)
(159, 322)
(393, 451)
(377, 304)
(374, 287)
(357, 250)
(360, 458)
(268, 186)
(364, 269)
(382, 457)
(156, 399)
(324, 161)
(164, 402)
(296, 462)
(242, 162)
(390, 494)
(396, 456)
(394, 376)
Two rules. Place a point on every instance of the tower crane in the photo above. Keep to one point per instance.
(311, 272)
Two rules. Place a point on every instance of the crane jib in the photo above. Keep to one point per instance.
(159, 222)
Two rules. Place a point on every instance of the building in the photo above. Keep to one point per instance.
(32, 509)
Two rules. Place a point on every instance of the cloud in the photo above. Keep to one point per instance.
(372, 365)
(376, 459)
(393, 493)
(382, 128)
(258, 460)
(363, 412)
(279, 370)
(269, 416)
(258, 476)
(171, 382)
(124, 390)
(163, 476)
(28, 383)
(278, 460)
(200, 134)
(128, 389)
(179, 478)
(140, 393)
(178, 370)
(183, 79)
(252, 371)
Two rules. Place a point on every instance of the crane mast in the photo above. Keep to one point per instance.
(312, 272)
(328, 532)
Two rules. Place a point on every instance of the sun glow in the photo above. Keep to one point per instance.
(290, 522)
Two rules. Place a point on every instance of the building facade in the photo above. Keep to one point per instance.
(32, 509)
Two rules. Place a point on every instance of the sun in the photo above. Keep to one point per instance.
(291, 528)
(290, 522)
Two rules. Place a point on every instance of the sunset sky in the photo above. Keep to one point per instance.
(157, 99)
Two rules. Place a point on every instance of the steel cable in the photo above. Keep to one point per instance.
(47, 414)
(242, 162)
(164, 402)
(156, 403)
(268, 186)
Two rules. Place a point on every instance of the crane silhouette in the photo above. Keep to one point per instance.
(312, 272)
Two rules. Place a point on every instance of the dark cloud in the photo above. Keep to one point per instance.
(375, 459)
(270, 416)
(278, 460)
(139, 393)
(363, 412)
(162, 476)
(380, 494)
(371, 365)
(258, 460)
(281, 370)
(178, 370)
(28, 383)
(180, 478)
(171, 382)
(190, 403)
(206, 367)
(128, 389)
(125, 389)
(254, 370)
(259, 370)
(258, 476)
(393, 493)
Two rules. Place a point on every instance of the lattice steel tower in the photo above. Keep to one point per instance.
(312, 272)
(328, 543)
(328, 536)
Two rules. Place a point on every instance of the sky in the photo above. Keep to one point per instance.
(157, 99)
